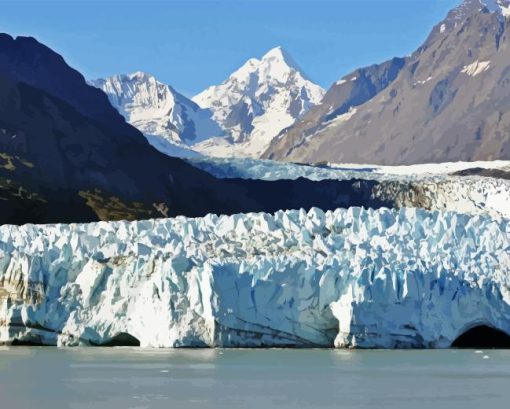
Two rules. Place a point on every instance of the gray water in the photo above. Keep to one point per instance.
(263, 379)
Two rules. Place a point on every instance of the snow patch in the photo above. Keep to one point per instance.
(434, 168)
(343, 117)
(422, 81)
(505, 10)
(502, 7)
(476, 68)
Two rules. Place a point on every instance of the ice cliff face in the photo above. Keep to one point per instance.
(349, 278)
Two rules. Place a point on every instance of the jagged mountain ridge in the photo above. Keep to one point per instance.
(171, 122)
(448, 102)
(240, 117)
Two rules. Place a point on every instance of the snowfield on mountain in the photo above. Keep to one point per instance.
(240, 117)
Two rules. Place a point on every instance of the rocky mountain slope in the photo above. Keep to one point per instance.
(348, 278)
(256, 102)
(339, 103)
(170, 121)
(448, 101)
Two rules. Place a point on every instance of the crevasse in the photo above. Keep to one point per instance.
(349, 278)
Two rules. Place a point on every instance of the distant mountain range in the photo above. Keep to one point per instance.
(240, 117)
(447, 101)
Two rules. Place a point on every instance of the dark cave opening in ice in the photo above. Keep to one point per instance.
(483, 336)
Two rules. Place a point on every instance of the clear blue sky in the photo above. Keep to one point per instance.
(193, 44)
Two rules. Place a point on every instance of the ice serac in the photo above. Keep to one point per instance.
(171, 122)
(348, 278)
(256, 102)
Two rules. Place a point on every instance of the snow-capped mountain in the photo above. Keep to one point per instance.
(170, 121)
(237, 118)
(256, 102)
(447, 101)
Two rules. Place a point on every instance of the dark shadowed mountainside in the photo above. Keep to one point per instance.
(67, 156)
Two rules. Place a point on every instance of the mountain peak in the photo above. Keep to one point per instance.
(256, 102)
(139, 75)
(276, 53)
(275, 62)
(501, 7)
(279, 55)
(135, 77)
(170, 121)
(468, 8)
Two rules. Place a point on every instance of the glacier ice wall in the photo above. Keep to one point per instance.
(349, 278)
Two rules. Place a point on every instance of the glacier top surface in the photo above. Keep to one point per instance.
(273, 170)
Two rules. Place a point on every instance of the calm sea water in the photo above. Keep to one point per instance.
(263, 379)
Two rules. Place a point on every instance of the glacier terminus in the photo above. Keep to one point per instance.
(356, 277)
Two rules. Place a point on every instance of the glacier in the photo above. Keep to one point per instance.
(357, 278)
(266, 169)
(429, 186)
